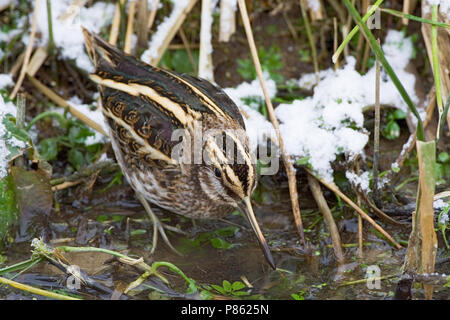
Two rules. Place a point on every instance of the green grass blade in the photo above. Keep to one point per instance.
(352, 33)
(435, 57)
(415, 18)
(387, 67)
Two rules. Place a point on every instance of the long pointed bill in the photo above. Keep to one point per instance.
(262, 241)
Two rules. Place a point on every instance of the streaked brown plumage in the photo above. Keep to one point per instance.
(144, 107)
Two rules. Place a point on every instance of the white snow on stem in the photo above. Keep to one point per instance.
(6, 138)
(163, 29)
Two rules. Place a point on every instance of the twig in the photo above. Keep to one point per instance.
(177, 22)
(335, 41)
(27, 51)
(310, 39)
(383, 216)
(142, 24)
(36, 61)
(405, 11)
(86, 172)
(292, 181)
(333, 187)
(130, 24)
(34, 290)
(51, 42)
(205, 64)
(187, 47)
(152, 15)
(115, 26)
(376, 131)
(314, 186)
(289, 24)
(350, 283)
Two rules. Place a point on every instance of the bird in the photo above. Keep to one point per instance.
(207, 171)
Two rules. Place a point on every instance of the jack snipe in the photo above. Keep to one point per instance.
(144, 106)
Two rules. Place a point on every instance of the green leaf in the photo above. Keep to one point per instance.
(78, 134)
(443, 157)
(392, 130)
(226, 285)
(220, 243)
(76, 158)
(12, 129)
(399, 114)
(227, 231)
(237, 285)
(219, 289)
(48, 148)
(303, 161)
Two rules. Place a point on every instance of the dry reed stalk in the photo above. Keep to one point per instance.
(314, 186)
(17, 64)
(70, 12)
(316, 13)
(376, 131)
(142, 24)
(333, 187)
(339, 10)
(303, 7)
(130, 25)
(177, 46)
(360, 237)
(289, 24)
(37, 60)
(27, 52)
(172, 31)
(66, 185)
(187, 46)
(335, 41)
(205, 64)
(426, 153)
(292, 181)
(227, 26)
(152, 15)
(115, 26)
(406, 8)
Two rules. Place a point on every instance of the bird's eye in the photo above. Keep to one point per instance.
(218, 173)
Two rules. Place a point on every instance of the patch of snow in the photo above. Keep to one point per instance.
(6, 108)
(5, 80)
(331, 121)
(67, 33)
(314, 5)
(362, 181)
(440, 204)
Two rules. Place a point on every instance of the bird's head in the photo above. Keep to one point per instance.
(230, 176)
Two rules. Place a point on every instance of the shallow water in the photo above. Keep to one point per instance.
(116, 221)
